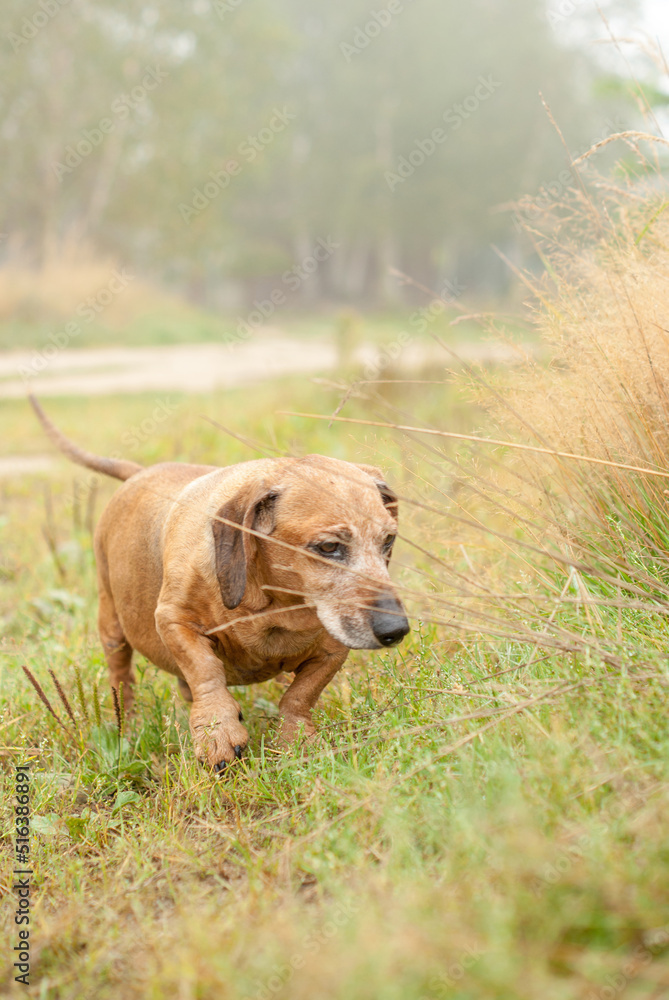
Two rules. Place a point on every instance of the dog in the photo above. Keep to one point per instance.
(231, 575)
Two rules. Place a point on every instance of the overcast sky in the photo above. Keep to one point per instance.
(653, 22)
(656, 20)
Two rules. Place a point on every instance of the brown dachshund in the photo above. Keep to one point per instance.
(225, 576)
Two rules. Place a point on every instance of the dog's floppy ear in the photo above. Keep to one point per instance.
(253, 509)
(389, 497)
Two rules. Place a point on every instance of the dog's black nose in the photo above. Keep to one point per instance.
(389, 623)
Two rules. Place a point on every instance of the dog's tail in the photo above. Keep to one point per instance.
(117, 467)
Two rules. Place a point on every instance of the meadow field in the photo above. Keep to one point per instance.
(485, 813)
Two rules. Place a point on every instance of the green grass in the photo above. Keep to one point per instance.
(158, 327)
(184, 324)
(441, 841)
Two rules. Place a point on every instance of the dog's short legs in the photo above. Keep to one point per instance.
(296, 705)
(117, 649)
(216, 730)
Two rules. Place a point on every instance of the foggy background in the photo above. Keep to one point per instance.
(228, 150)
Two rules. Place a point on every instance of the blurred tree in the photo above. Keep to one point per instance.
(212, 141)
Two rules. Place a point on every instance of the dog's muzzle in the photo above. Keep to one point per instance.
(388, 621)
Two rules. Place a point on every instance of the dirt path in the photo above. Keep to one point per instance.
(197, 368)
(181, 368)
(203, 367)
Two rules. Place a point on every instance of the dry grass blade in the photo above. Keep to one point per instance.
(121, 705)
(91, 497)
(49, 532)
(117, 711)
(272, 541)
(80, 693)
(43, 698)
(63, 697)
(629, 134)
(97, 714)
(259, 614)
(516, 445)
(248, 442)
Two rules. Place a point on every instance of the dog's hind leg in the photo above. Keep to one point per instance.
(117, 649)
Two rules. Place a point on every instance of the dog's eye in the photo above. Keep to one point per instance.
(330, 550)
(388, 544)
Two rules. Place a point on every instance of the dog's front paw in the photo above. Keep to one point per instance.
(217, 740)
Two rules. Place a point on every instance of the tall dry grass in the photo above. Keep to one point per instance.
(602, 312)
(560, 540)
(65, 279)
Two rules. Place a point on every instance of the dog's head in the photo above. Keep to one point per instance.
(322, 531)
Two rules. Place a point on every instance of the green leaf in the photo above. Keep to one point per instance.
(47, 825)
(124, 798)
(76, 826)
(66, 600)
